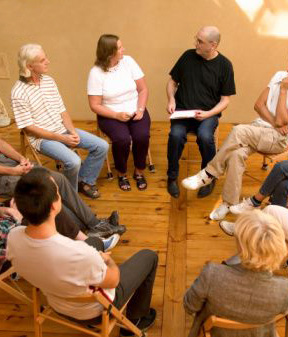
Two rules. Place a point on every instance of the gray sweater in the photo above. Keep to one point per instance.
(236, 293)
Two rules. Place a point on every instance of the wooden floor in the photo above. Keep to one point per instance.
(179, 230)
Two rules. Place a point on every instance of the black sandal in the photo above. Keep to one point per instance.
(90, 191)
(124, 184)
(141, 182)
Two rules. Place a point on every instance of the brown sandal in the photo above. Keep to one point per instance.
(90, 191)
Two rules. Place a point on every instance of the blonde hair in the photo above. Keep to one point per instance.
(261, 241)
(26, 55)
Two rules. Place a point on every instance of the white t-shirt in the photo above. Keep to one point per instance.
(272, 99)
(116, 86)
(60, 267)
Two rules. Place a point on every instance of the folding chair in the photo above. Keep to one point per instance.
(214, 321)
(111, 316)
(273, 158)
(101, 134)
(25, 144)
(14, 289)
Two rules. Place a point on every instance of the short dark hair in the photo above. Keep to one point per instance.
(106, 49)
(34, 195)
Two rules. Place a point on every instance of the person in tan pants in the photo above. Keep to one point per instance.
(267, 134)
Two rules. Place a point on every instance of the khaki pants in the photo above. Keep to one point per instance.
(242, 141)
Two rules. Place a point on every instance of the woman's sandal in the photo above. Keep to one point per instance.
(124, 184)
(89, 190)
(140, 181)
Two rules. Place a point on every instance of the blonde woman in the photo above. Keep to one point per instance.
(246, 292)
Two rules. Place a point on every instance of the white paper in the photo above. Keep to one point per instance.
(183, 114)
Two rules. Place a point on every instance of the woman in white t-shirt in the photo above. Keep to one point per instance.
(118, 94)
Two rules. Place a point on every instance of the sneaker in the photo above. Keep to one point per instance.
(204, 191)
(197, 181)
(220, 212)
(114, 218)
(111, 242)
(227, 227)
(143, 323)
(104, 229)
(245, 205)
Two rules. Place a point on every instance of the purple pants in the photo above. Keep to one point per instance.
(121, 134)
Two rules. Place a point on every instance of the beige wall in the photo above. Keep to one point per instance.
(154, 32)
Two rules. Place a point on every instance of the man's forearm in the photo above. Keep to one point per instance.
(6, 170)
(42, 133)
(219, 107)
(68, 122)
(171, 89)
(9, 151)
(281, 118)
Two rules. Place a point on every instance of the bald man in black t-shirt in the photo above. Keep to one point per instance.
(201, 80)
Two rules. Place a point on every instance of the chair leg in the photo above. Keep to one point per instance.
(36, 310)
(151, 165)
(105, 324)
(264, 163)
(109, 172)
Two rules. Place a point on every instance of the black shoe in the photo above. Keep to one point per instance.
(143, 323)
(204, 191)
(172, 188)
(114, 218)
(104, 229)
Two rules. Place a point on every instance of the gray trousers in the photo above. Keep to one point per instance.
(72, 203)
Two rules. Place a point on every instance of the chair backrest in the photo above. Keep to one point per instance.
(12, 287)
(214, 321)
(111, 316)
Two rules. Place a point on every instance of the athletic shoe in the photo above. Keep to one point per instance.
(143, 323)
(227, 227)
(220, 212)
(197, 181)
(204, 191)
(114, 218)
(111, 242)
(103, 229)
(245, 205)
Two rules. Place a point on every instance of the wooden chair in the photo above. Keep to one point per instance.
(25, 144)
(270, 158)
(111, 316)
(13, 288)
(101, 134)
(191, 141)
(214, 321)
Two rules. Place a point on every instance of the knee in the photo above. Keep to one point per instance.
(205, 138)
(149, 255)
(278, 167)
(103, 147)
(99, 145)
(122, 141)
(177, 136)
(74, 163)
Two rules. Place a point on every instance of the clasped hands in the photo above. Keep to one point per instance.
(125, 116)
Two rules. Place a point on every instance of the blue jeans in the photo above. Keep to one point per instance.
(89, 170)
(276, 184)
(178, 137)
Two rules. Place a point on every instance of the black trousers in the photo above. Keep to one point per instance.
(137, 276)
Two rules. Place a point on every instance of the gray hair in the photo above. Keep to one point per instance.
(212, 33)
(26, 55)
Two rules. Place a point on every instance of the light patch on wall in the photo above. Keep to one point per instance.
(269, 17)
(250, 7)
(4, 69)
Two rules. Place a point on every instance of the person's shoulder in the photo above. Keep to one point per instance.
(96, 71)
(15, 232)
(18, 89)
(127, 59)
(48, 79)
(278, 76)
(224, 59)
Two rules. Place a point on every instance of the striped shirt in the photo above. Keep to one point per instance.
(40, 105)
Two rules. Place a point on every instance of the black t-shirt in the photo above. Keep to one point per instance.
(202, 82)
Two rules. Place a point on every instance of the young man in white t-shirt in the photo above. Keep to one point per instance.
(61, 267)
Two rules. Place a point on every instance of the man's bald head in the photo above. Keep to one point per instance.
(211, 33)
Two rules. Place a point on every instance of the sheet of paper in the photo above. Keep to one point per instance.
(183, 114)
